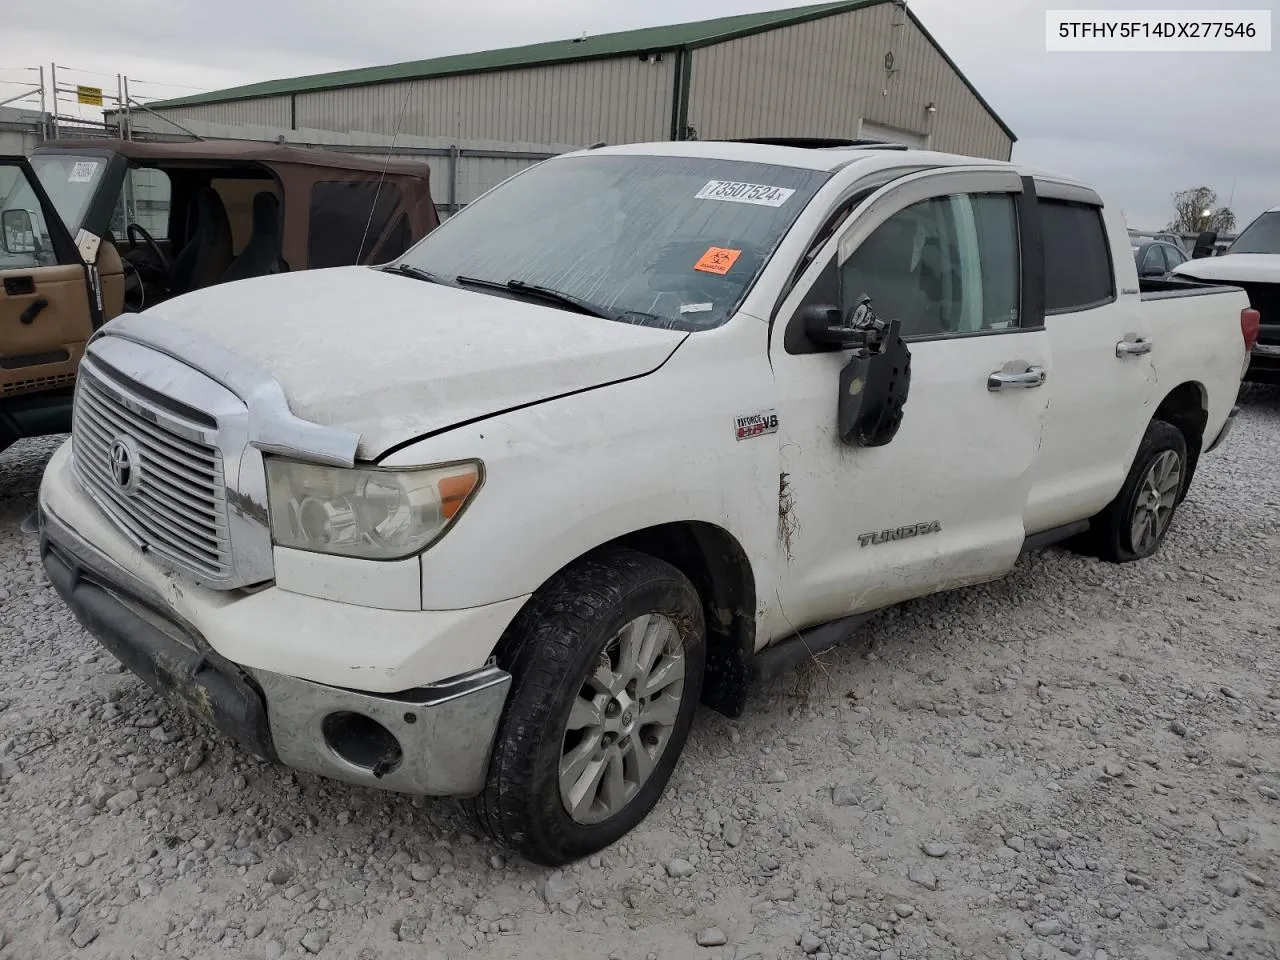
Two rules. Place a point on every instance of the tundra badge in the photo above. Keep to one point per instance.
(901, 533)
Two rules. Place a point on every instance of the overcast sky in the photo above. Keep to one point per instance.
(1139, 126)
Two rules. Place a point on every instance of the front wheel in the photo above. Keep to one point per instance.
(1135, 523)
(607, 663)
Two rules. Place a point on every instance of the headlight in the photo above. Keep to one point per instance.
(370, 513)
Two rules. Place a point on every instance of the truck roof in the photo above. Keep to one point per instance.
(828, 156)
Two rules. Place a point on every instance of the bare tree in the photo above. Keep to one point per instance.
(1197, 209)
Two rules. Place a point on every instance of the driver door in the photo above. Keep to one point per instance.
(941, 505)
(46, 302)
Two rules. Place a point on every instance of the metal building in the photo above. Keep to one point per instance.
(843, 69)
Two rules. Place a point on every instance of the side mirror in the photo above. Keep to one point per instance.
(824, 326)
(1206, 244)
(17, 232)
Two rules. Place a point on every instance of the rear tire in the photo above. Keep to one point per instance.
(607, 663)
(1136, 522)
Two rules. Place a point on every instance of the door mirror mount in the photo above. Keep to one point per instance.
(17, 231)
(825, 326)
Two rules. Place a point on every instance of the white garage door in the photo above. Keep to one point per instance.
(879, 131)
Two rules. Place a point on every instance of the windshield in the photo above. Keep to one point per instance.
(1261, 236)
(662, 241)
(71, 182)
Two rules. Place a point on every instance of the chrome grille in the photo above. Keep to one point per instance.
(172, 498)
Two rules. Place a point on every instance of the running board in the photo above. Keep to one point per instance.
(1047, 538)
(776, 660)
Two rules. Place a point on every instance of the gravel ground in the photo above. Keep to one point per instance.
(1079, 761)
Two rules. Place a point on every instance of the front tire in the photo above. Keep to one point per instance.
(607, 663)
(1136, 522)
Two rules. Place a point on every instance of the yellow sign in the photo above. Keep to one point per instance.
(90, 95)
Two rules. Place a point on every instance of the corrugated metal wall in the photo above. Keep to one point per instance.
(265, 111)
(619, 100)
(820, 78)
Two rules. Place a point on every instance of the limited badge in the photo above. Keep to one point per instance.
(756, 424)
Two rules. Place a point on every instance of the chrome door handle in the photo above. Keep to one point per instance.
(1132, 345)
(1020, 380)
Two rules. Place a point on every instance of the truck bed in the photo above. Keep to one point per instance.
(1162, 288)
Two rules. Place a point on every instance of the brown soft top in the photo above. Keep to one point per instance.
(246, 150)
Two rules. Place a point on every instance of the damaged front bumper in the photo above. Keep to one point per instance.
(434, 740)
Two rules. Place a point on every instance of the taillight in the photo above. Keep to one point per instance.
(1250, 321)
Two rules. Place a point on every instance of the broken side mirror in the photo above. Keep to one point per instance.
(825, 327)
(875, 382)
(17, 231)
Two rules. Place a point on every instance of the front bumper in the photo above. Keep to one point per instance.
(432, 740)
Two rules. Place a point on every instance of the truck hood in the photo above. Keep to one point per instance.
(393, 358)
(1233, 268)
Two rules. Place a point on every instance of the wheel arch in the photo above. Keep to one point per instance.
(718, 567)
(1186, 407)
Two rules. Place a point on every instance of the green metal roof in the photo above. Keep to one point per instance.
(646, 40)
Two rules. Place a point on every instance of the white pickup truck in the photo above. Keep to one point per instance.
(1252, 262)
(641, 424)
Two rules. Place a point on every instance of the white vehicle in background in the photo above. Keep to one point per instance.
(641, 424)
(1252, 262)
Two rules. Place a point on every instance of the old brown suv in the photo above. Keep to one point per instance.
(90, 229)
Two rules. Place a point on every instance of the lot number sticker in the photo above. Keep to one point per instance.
(719, 260)
(732, 191)
(82, 172)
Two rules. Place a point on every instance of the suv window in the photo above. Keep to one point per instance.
(344, 215)
(1174, 255)
(1077, 257)
(945, 266)
(144, 200)
(22, 247)
(1155, 259)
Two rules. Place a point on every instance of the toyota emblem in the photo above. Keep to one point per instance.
(126, 470)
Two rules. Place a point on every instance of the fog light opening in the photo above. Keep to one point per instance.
(362, 742)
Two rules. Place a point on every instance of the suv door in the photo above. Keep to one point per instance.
(941, 505)
(46, 308)
(1101, 342)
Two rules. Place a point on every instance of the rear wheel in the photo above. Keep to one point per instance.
(607, 664)
(1135, 523)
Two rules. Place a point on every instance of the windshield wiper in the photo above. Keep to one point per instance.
(545, 293)
(405, 270)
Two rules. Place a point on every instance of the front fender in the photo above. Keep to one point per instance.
(566, 476)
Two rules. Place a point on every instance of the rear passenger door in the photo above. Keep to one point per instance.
(1101, 343)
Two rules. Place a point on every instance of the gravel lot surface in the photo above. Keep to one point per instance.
(1080, 761)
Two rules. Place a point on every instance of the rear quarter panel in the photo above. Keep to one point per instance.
(1198, 340)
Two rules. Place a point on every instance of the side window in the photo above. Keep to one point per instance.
(1154, 259)
(24, 236)
(397, 241)
(340, 212)
(1174, 255)
(144, 200)
(1077, 258)
(945, 266)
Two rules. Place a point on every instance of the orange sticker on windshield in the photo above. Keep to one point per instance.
(717, 260)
